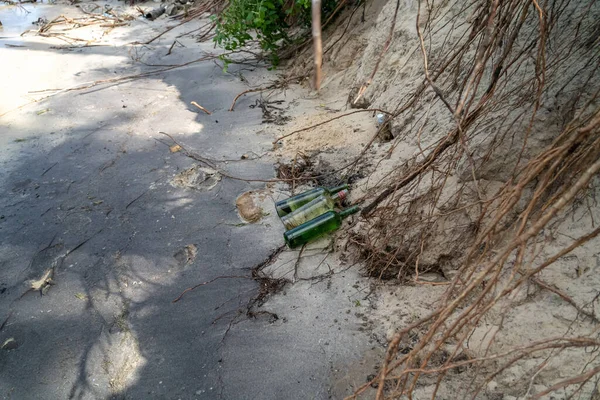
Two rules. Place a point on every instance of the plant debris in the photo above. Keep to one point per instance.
(10, 344)
(174, 148)
(186, 255)
(81, 296)
(197, 178)
(271, 113)
(200, 107)
(43, 284)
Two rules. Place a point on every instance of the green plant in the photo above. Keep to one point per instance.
(264, 18)
(264, 21)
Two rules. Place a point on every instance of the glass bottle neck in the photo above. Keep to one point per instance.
(349, 211)
(338, 188)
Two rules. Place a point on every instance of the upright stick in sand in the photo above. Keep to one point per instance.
(316, 33)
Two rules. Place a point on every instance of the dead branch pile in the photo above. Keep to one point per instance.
(517, 84)
(107, 19)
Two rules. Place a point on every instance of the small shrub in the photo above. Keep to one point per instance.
(264, 18)
(266, 21)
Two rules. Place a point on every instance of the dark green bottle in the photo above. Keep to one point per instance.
(313, 209)
(309, 231)
(285, 207)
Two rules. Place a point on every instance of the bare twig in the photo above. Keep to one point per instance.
(274, 85)
(200, 107)
(207, 282)
(386, 47)
(373, 110)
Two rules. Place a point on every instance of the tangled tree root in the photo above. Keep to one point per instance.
(518, 82)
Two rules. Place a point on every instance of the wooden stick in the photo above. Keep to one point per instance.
(200, 107)
(318, 45)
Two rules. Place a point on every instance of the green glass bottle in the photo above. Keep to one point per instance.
(309, 231)
(286, 206)
(313, 209)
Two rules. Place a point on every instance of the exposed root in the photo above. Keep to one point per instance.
(515, 89)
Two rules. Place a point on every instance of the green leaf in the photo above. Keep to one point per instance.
(261, 20)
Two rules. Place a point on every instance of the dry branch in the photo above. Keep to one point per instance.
(200, 107)
(208, 282)
(278, 84)
(385, 49)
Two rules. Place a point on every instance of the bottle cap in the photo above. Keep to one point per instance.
(342, 194)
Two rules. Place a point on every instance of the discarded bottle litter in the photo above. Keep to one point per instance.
(310, 215)
(313, 209)
(317, 227)
(285, 207)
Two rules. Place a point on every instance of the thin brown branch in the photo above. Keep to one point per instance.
(386, 47)
(565, 297)
(200, 107)
(373, 110)
(568, 382)
(274, 85)
(210, 281)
